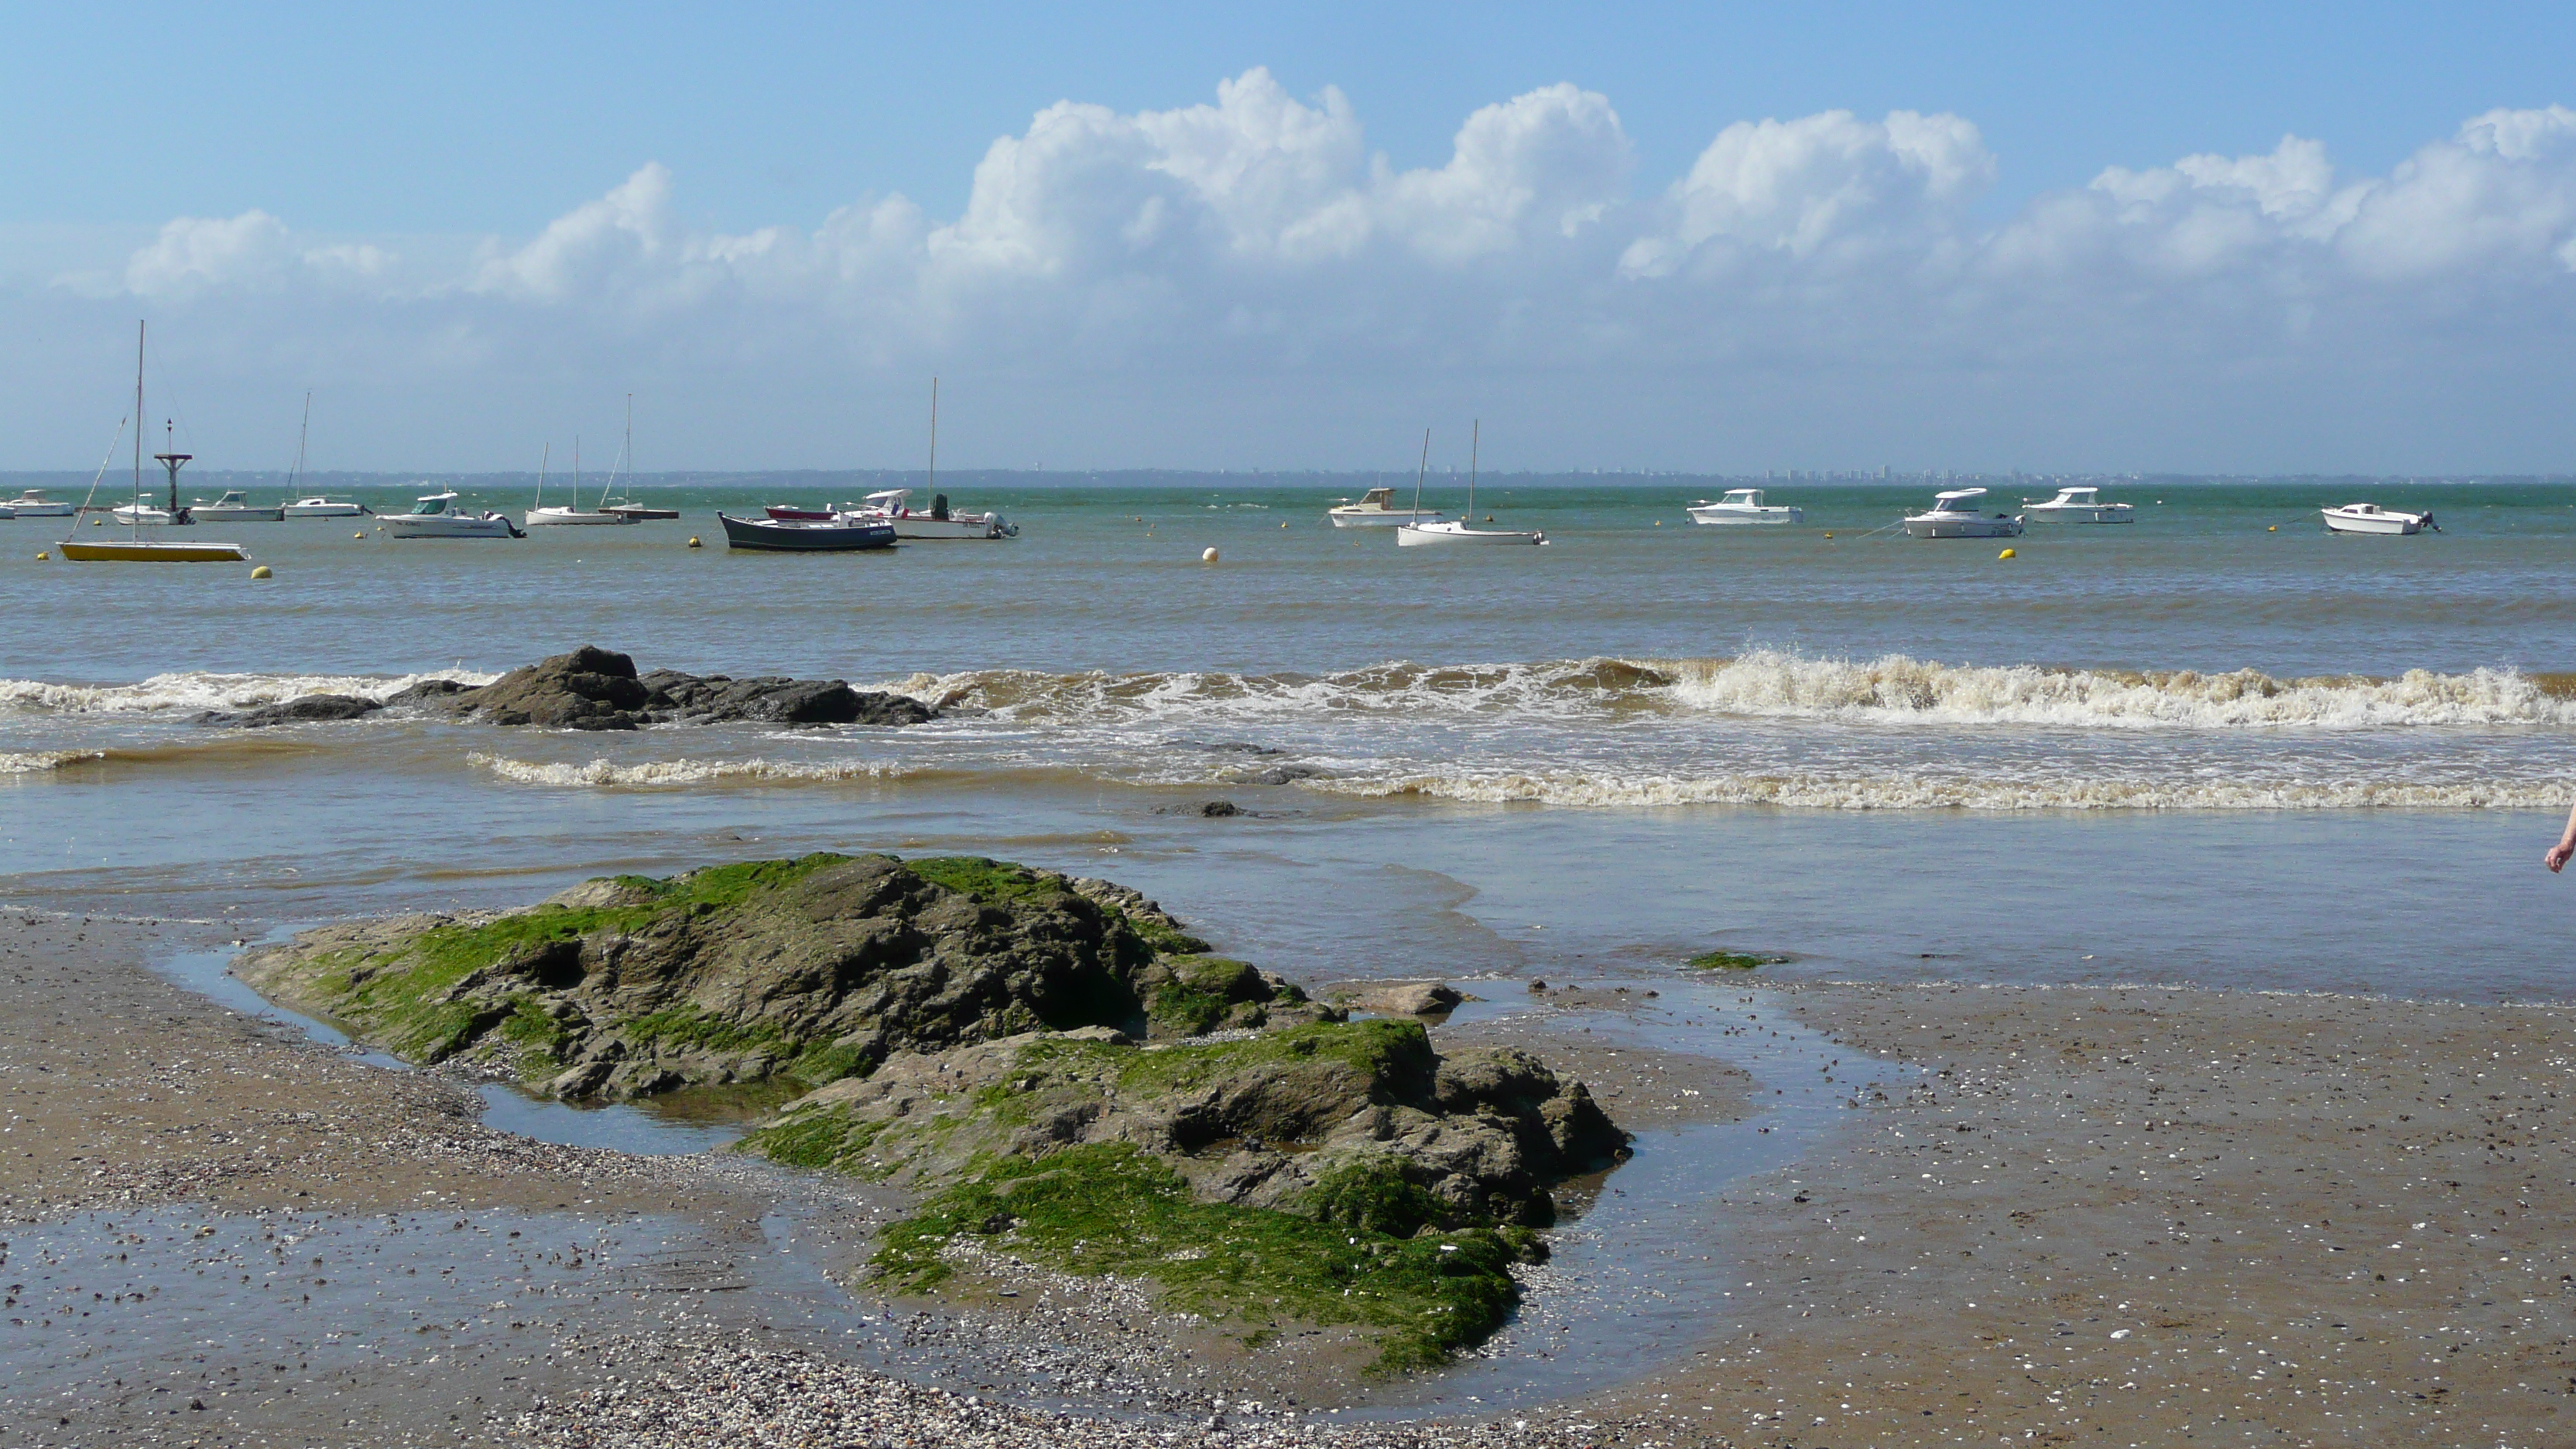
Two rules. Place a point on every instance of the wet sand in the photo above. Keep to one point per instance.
(2099, 1215)
(2159, 1217)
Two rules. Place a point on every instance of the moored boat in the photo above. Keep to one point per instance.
(234, 506)
(34, 504)
(894, 505)
(437, 516)
(319, 506)
(134, 548)
(1416, 535)
(1954, 515)
(2371, 518)
(1742, 506)
(1376, 509)
(575, 516)
(2078, 505)
(776, 535)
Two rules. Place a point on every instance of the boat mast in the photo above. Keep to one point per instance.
(138, 428)
(934, 440)
(541, 475)
(293, 479)
(1473, 437)
(1418, 471)
(625, 455)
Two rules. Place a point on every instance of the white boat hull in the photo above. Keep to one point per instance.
(322, 510)
(211, 513)
(573, 518)
(1724, 517)
(1389, 518)
(1931, 525)
(2093, 513)
(1410, 536)
(444, 526)
(924, 526)
(41, 510)
(130, 516)
(2392, 525)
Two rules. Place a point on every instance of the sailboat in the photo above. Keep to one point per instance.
(541, 515)
(635, 512)
(1457, 530)
(135, 548)
(312, 505)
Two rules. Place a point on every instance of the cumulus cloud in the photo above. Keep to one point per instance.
(1259, 235)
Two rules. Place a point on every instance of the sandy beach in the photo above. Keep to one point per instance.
(2097, 1215)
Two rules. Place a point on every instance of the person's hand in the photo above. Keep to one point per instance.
(2559, 855)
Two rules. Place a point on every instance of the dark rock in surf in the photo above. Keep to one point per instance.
(598, 689)
(310, 709)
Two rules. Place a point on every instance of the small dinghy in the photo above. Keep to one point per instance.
(2371, 518)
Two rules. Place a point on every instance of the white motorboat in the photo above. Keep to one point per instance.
(2371, 518)
(1376, 509)
(34, 504)
(1954, 515)
(2078, 505)
(1744, 506)
(318, 506)
(233, 507)
(437, 516)
(894, 505)
(1415, 535)
(146, 515)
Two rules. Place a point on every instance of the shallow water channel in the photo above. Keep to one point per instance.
(1638, 1277)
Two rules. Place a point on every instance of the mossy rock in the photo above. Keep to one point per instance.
(1731, 961)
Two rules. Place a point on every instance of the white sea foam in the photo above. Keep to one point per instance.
(667, 773)
(1894, 687)
(200, 691)
(1764, 683)
(37, 762)
(1948, 792)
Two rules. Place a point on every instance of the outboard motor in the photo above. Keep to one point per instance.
(939, 506)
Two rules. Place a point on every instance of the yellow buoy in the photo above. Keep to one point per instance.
(2275, 528)
(693, 542)
(260, 572)
(1208, 557)
(40, 558)
(1829, 535)
(359, 536)
(98, 523)
(2008, 553)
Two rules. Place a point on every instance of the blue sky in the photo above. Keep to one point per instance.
(1940, 297)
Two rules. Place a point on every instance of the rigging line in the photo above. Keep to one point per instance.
(176, 412)
(110, 457)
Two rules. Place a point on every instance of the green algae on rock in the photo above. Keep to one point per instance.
(1330, 1173)
(810, 969)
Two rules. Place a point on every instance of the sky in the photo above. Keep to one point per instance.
(2191, 238)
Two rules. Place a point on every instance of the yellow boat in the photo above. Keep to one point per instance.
(136, 548)
(153, 551)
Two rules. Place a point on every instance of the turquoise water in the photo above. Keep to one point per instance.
(2216, 745)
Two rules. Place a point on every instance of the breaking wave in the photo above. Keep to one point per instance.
(194, 691)
(1766, 683)
(668, 773)
(37, 762)
(1938, 792)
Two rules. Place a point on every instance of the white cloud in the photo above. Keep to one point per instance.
(1818, 186)
(1258, 238)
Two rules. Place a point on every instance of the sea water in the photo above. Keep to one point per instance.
(2216, 745)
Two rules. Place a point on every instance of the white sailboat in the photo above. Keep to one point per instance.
(541, 516)
(1412, 535)
(621, 504)
(312, 505)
